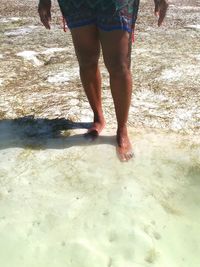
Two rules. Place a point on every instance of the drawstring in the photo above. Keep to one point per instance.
(64, 24)
(133, 37)
(133, 34)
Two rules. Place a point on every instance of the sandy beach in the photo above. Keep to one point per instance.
(68, 202)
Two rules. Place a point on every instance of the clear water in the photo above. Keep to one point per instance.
(79, 206)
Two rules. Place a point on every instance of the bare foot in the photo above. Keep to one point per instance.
(124, 147)
(95, 130)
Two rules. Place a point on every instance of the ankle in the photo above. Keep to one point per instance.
(98, 117)
(122, 130)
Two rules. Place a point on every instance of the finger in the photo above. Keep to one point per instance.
(156, 11)
(45, 19)
(162, 13)
(48, 19)
(49, 15)
(45, 22)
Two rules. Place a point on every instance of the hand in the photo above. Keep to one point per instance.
(44, 10)
(161, 7)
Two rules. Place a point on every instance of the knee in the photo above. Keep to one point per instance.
(88, 65)
(118, 68)
(88, 62)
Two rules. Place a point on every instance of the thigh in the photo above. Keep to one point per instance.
(86, 43)
(116, 48)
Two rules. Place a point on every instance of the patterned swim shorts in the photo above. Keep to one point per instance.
(107, 15)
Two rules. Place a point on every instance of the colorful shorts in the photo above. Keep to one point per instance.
(108, 15)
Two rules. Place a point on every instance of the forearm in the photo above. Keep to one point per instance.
(161, 7)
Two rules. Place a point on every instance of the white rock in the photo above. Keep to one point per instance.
(21, 31)
(63, 76)
(30, 55)
(6, 20)
(53, 50)
(170, 74)
(193, 26)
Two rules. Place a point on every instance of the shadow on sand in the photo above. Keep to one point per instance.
(40, 133)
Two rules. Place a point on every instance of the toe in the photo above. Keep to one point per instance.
(125, 156)
(129, 156)
(121, 156)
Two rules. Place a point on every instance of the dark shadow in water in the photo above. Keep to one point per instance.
(39, 133)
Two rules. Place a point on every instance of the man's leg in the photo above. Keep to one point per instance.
(87, 48)
(116, 48)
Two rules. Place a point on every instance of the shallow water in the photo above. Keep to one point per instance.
(62, 206)
(65, 201)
